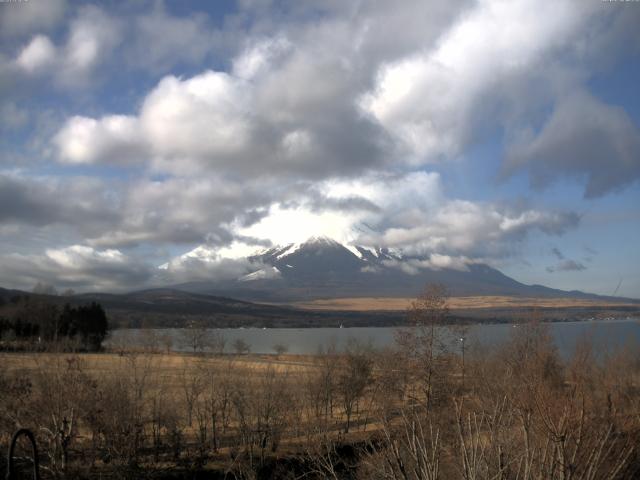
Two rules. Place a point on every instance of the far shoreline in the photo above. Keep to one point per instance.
(635, 317)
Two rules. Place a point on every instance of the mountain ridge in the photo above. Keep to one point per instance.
(322, 267)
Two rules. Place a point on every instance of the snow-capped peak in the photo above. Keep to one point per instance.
(254, 253)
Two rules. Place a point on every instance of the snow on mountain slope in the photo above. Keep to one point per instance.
(317, 253)
(262, 274)
(324, 268)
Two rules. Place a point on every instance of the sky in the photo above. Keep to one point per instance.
(489, 131)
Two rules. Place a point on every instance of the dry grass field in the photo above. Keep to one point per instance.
(455, 303)
(159, 364)
(515, 412)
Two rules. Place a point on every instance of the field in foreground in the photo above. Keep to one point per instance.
(514, 413)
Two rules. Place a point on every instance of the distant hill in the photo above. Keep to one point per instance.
(165, 307)
(170, 308)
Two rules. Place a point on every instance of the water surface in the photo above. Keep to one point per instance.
(606, 336)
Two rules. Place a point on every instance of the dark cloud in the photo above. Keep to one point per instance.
(557, 253)
(567, 266)
(583, 138)
(319, 202)
(82, 202)
(18, 19)
(160, 41)
(187, 269)
(252, 216)
(79, 267)
(108, 214)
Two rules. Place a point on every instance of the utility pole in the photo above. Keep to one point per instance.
(462, 342)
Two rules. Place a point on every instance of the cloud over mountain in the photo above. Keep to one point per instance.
(432, 126)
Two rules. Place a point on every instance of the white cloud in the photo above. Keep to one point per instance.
(207, 122)
(37, 56)
(205, 117)
(257, 57)
(433, 100)
(91, 37)
(421, 220)
(218, 263)
(409, 213)
(261, 119)
(461, 227)
(113, 139)
(76, 257)
(296, 224)
(445, 261)
(318, 100)
(435, 261)
(182, 125)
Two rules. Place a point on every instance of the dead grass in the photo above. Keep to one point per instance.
(457, 303)
(161, 363)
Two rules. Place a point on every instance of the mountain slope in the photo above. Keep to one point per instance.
(324, 268)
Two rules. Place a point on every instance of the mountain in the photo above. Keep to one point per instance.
(324, 268)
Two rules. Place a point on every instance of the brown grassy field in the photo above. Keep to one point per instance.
(455, 303)
(361, 414)
(163, 365)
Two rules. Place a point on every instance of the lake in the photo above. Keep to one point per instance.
(605, 335)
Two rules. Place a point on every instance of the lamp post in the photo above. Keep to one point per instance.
(462, 339)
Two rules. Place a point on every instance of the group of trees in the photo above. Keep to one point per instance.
(27, 319)
(194, 337)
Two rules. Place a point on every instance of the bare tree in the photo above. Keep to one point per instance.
(196, 336)
(217, 395)
(410, 449)
(166, 340)
(426, 337)
(149, 339)
(353, 378)
(241, 347)
(191, 383)
(280, 349)
(218, 342)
